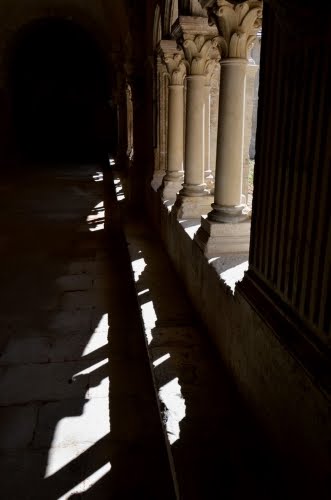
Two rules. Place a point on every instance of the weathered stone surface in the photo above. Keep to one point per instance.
(75, 282)
(73, 346)
(26, 350)
(17, 426)
(43, 382)
(67, 322)
(249, 348)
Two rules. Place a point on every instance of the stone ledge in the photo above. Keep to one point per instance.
(255, 356)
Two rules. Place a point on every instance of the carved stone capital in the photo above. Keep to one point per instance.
(202, 54)
(174, 60)
(201, 44)
(238, 25)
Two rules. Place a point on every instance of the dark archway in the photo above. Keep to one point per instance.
(60, 90)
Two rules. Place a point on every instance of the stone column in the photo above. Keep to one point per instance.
(249, 129)
(160, 116)
(176, 67)
(137, 151)
(200, 45)
(209, 178)
(122, 124)
(129, 110)
(194, 183)
(228, 205)
(220, 232)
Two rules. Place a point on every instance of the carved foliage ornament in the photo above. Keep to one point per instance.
(237, 24)
(202, 54)
(177, 68)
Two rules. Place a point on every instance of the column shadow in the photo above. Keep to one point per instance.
(78, 411)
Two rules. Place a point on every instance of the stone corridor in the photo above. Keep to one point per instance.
(99, 344)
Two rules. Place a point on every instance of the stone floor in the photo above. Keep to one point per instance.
(78, 414)
(90, 317)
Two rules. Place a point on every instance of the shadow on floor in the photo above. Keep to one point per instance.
(78, 412)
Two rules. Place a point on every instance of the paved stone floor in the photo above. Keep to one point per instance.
(88, 320)
(78, 414)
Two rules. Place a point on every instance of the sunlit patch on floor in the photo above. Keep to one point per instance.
(149, 319)
(96, 219)
(171, 396)
(161, 360)
(98, 177)
(99, 338)
(119, 190)
(89, 482)
(234, 274)
(138, 267)
(73, 436)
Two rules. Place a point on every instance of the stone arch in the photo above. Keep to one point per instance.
(157, 28)
(58, 89)
(19, 21)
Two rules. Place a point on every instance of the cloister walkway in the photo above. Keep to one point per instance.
(94, 324)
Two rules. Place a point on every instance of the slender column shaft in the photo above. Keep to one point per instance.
(194, 184)
(229, 159)
(122, 129)
(175, 133)
(208, 172)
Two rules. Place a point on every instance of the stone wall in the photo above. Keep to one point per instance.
(275, 383)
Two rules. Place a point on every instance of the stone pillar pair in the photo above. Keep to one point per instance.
(227, 227)
(201, 47)
(194, 60)
(176, 68)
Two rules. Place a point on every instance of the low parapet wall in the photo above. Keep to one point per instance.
(281, 391)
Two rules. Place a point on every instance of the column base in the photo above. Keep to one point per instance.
(170, 189)
(191, 190)
(157, 180)
(228, 215)
(192, 207)
(216, 238)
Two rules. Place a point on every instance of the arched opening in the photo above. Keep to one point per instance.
(59, 87)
